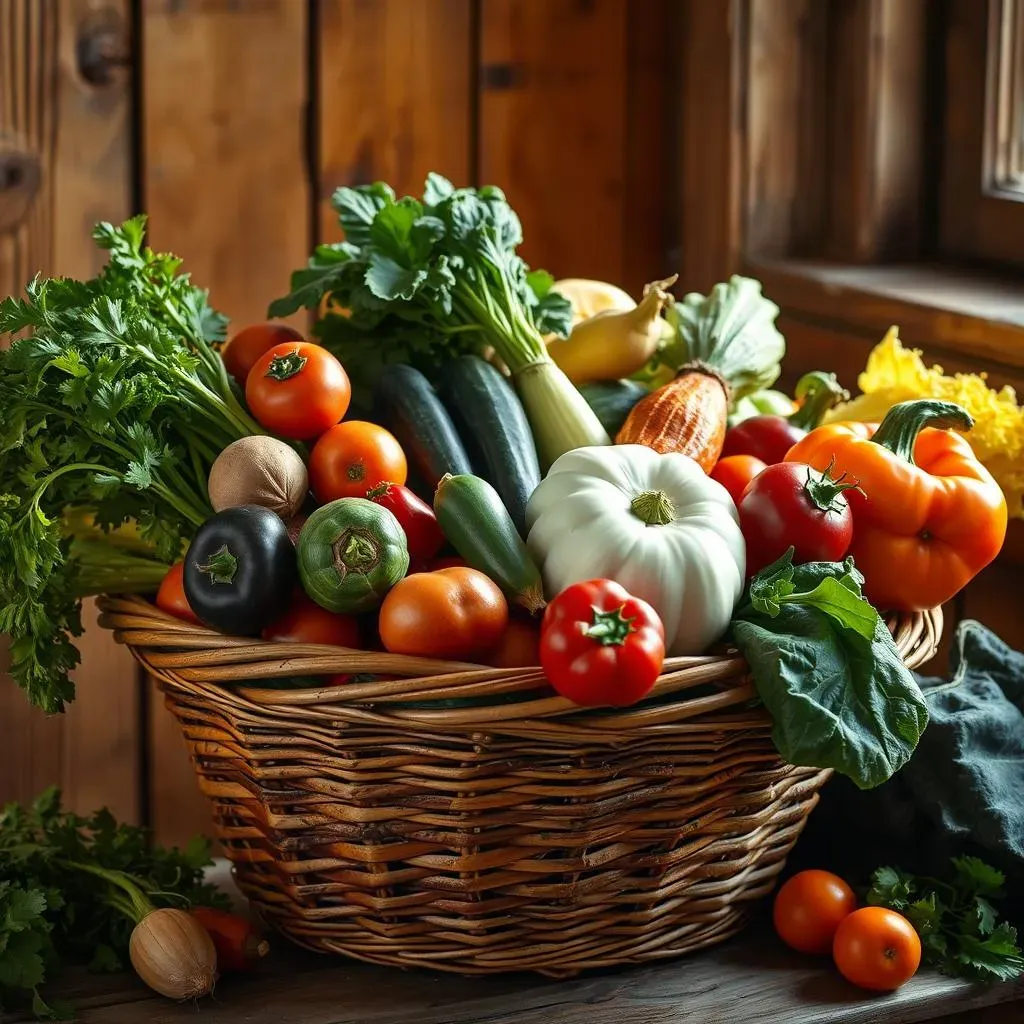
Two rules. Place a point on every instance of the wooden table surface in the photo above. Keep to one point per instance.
(746, 981)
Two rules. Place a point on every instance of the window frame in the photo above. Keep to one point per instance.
(980, 219)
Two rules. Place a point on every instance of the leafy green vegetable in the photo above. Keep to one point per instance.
(828, 671)
(53, 913)
(115, 403)
(427, 280)
(959, 927)
(732, 328)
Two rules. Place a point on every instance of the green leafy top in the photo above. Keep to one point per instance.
(52, 914)
(959, 927)
(426, 280)
(828, 671)
(115, 403)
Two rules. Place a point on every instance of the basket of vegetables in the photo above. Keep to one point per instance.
(486, 655)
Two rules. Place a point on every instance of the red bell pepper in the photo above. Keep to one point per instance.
(601, 646)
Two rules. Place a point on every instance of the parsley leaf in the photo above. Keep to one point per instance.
(959, 927)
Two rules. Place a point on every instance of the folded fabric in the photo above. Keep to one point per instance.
(962, 791)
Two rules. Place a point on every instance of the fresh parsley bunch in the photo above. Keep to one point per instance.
(959, 927)
(115, 404)
(52, 913)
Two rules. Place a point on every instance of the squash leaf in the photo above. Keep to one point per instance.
(828, 671)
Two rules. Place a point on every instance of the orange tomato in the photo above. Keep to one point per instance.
(353, 458)
(877, 949)
(809, 908)
(734, 472)
(451, 613)
(519, 646)
(307, 623)
(171, 597)
(250, 343)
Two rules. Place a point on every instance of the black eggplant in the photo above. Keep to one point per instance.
(240, 570)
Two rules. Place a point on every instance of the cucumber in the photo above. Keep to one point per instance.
(410, 409)
(493, 426)
(477, 524)
(351, 552)
(612, 401)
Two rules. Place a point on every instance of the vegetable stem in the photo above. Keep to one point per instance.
(904, 421)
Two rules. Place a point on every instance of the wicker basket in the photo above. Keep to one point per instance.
(463, 819)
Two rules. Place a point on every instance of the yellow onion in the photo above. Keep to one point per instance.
(174, 954)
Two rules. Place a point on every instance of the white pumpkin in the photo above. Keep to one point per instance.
(657, 524)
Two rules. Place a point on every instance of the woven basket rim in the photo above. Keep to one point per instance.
(177, 652)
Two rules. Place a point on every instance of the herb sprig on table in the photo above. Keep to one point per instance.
(53, 913)
(960, 930)
(115, 404)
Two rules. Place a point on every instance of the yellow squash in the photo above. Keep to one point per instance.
(588, 298)
(614, 343)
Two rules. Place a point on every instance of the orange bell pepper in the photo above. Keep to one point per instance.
(927, 516)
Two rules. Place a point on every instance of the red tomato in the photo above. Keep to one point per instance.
(250, 343)
(791, 505)
(599, 645)
(297, 390)
(171, 597)
(448, 562)
(735, 472)
(809, 908)
(767, 438)
(307, 623)
(353, 458)
(519, 646)
(877, 949)
(414, 515)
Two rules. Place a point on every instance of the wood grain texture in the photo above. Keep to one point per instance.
(553, 128)
(394, 96)
(226, 187)
(747, 981)
(712, 47)
(77, 134)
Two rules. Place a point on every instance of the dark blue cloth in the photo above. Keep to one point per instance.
(961, 793)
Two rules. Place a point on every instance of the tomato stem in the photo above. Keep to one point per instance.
(823, 490)
(904, 421)
(609, 628)
(221, 566)
(655, 508)
(286, 366)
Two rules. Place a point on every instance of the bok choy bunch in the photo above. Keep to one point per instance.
(425, 280)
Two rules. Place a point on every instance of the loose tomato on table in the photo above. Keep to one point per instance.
(791, 505)
(809, 908)
(171, 597)
(297, 390)
(735, 472)
(452, 613)
(355, 457)
(601, 646)
(930, 515)
(307, 623)
(877, 949)
(245, 348)
(414, 515)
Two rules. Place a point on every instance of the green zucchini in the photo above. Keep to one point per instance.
(493, 425)
(477, 524)
(351, 552)
(612, 401)
(410, 409)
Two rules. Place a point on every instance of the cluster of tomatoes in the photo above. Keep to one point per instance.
(874, 948)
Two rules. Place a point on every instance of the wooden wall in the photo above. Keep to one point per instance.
(622, 130)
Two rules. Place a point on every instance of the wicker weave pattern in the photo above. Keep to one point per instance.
(506, 830)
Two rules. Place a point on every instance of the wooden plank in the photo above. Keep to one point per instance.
(712, 52)
(786, 128)
(751, 980)
(553, 128)
(877, 81)
(77, 134)
(226, 185)
(394, 96)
